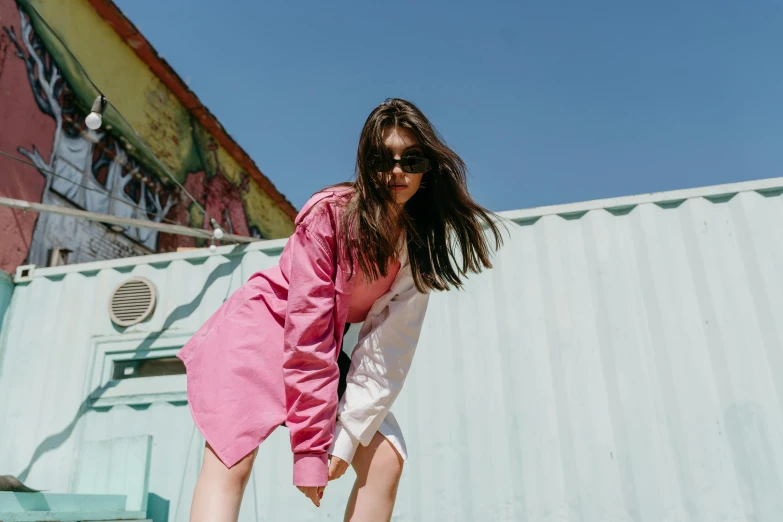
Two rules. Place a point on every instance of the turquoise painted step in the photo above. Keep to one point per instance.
(64, 507)
(111, 483)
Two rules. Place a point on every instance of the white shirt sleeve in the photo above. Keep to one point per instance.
(379, 366)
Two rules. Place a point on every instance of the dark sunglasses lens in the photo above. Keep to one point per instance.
(414, 165)
(410, 164)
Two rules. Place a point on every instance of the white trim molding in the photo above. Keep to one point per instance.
(138, 391)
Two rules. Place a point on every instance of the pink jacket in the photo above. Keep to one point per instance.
(268, 355)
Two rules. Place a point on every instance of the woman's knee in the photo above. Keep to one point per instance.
(380, 460)
(235, 476)
(389, 460)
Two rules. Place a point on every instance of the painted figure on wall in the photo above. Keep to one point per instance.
(97, 172)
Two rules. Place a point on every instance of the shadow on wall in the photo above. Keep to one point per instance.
(184, 310)
(157, 508)
(56, 440)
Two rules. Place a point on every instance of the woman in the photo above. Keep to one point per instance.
(364, 252)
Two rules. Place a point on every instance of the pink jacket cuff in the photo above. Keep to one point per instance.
(310, 469)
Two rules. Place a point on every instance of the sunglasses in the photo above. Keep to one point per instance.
(409, 164)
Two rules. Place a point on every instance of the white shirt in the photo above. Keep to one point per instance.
(381, 350)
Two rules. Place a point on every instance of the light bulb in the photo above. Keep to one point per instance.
(218, 233)
(212, 249)
(93, 121)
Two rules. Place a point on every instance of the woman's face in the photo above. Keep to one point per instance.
(402, 143)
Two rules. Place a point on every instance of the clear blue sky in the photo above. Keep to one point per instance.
(547, 102)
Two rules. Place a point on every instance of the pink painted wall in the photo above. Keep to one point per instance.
(21, 124)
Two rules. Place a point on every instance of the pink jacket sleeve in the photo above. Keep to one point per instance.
(310, 370)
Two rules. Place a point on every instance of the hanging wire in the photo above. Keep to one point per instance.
(102, 192)
(141, 141)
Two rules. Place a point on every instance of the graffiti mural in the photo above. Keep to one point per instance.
(86, 168)
(101, 171)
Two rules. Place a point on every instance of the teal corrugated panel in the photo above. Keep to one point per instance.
(623, 361)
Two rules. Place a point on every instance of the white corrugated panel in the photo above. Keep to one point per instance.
(622, 362)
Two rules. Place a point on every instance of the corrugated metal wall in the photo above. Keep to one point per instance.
(622, 362)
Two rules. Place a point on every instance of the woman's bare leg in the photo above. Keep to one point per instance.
(378, 469)
(219, 489)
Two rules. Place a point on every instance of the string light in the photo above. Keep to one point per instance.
(217, 232)
(95, 118)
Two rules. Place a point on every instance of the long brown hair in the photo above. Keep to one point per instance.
(441, 220)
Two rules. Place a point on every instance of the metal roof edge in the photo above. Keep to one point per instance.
(269, 247)
(568, 211)
(628, 202)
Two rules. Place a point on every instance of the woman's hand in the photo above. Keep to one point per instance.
(337, 467)
(314, 493)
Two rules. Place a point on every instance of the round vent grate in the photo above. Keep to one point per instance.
(132, 302)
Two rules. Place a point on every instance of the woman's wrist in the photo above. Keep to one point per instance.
(343, 446)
